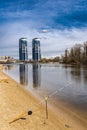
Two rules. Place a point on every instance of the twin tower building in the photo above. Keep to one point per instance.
(23, 49)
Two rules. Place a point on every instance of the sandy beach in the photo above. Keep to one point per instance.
(15, 102)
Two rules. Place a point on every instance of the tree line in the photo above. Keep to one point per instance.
(76, 55)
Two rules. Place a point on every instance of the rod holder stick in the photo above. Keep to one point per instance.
(46, 98)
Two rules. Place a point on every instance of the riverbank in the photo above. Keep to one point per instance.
(15, 101)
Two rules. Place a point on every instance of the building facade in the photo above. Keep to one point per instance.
(36, 50)
(23, 52)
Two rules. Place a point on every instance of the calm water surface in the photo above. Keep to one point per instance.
(69, 83)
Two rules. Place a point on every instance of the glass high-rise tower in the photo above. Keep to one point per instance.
(23, 52)
(36, 51)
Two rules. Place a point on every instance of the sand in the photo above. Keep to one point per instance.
(15, 102)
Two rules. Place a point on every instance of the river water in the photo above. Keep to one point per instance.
(66, 83)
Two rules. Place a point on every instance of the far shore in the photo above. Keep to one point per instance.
(16, 101)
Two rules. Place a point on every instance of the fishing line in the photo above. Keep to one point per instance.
(31, 111)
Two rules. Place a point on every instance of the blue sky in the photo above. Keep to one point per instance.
(58, 23)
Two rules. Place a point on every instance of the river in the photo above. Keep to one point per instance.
(65, 83)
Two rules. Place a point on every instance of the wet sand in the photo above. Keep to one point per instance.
(15, 101)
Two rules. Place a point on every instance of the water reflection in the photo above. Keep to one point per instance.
(8, 66)
(23, 69)
(85, 75)
(76, 74)
(36, 71)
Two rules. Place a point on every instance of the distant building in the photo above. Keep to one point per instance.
(6, 58)
(36, 51)
(23, 53)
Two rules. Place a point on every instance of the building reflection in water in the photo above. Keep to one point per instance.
(36, 71)
(23, 69)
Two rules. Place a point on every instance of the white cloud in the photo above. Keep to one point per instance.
(57, 41)
(44, 31)
(53, 42)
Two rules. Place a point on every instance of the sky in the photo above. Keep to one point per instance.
(59, 24)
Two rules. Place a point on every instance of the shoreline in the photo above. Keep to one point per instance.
(14, 100)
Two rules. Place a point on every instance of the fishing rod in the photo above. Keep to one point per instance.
(30, 112)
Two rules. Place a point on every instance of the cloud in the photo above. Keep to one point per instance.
(57, 41)
(44, 31)
(58, 24)
(53, 14)
(53, 43)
